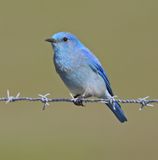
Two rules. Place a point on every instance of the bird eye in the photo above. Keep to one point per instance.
(65, 39)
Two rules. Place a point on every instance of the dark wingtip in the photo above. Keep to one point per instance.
(117, 111)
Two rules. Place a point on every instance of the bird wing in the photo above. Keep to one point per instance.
(96, 66)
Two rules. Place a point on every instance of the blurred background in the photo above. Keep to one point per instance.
(124, 36)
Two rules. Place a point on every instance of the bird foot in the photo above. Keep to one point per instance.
(78, 102)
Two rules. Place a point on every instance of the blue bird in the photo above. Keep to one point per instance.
(81, 71)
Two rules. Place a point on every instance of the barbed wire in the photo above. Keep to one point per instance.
(78, 101)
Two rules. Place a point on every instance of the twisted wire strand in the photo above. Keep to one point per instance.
(45, 100)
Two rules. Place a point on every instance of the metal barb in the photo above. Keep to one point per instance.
(44, 100)
(144, 102)
(9, 98)
(112, 100)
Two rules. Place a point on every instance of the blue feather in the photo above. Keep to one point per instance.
(70, 54)
(97, 67)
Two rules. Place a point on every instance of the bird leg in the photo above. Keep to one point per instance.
(78, 100)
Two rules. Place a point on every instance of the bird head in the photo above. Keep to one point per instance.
(63, 41)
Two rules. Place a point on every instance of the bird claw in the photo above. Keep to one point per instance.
(77, 100)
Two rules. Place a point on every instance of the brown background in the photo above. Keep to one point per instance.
(123, 34)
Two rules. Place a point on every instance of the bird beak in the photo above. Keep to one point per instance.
(51, 40)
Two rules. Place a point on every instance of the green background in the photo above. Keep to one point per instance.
(123, 34)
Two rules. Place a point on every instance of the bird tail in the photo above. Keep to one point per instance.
(116, 109)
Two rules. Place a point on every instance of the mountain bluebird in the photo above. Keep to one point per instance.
(81, 71)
